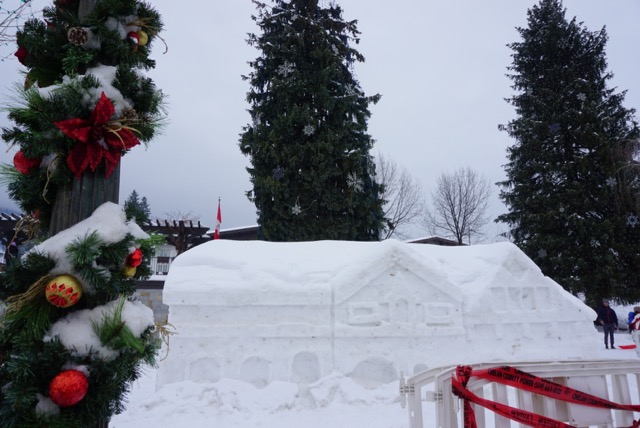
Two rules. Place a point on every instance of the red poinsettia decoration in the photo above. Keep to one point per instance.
(98, 139)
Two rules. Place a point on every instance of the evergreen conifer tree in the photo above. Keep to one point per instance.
(137, 208)
(572, 182)
(311, 168)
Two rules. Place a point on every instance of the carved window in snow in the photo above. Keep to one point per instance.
(305, 368)
(364, 313)
(439, 313)
(256, 370)
(402, 311)
(204, 370)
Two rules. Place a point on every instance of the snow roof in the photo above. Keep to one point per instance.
(308, 270)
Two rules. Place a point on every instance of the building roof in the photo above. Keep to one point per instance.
(435, 240)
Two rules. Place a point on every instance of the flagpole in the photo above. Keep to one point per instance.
(216, 233)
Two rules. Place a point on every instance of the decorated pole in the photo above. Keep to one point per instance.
(97, 105)
(78, 199)
(86, 103)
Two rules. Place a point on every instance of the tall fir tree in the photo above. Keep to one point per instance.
(311, 168)
(572, 182)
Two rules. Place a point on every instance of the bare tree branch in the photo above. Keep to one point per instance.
(177, 215)
(458, 205)
(10, 23)
(403, 196)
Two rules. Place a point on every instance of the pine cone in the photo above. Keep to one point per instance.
(78, 35)
(129, 114)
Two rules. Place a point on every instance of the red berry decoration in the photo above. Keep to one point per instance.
(68, 388)
(63, 291)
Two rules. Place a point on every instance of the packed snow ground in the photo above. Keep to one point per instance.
(335, 400)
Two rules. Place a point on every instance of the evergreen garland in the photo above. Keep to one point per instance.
(31, 355)
(70, 62)
(84, 103)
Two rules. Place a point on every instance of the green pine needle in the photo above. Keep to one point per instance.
(114, 333)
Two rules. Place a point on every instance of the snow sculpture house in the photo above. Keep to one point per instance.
(261, 312)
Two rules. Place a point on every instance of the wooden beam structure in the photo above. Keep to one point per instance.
(182, 234)
(8, 233)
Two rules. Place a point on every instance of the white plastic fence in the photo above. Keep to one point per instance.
(616, 381)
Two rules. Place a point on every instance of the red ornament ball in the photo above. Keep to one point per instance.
(134, 259)
(24, 164)
(21, 54)
(63, 291)
(68, 388)
(134, 39)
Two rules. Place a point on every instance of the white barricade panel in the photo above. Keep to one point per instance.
(616, 381)
(587, 416)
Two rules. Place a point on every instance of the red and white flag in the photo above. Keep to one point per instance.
(216, 233)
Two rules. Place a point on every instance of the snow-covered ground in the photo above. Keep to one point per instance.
(333, 401)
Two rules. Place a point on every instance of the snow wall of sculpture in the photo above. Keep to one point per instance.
(264, 312)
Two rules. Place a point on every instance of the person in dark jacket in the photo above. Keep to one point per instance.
(608, 319)
(635, 329)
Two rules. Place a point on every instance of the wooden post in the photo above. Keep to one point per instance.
(78, 200)
(85, 8)
(103, 423)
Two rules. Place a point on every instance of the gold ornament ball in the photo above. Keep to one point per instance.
(143, 38)
(129, 271)
(63, 291)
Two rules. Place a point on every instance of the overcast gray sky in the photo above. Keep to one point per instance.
(439, 65)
